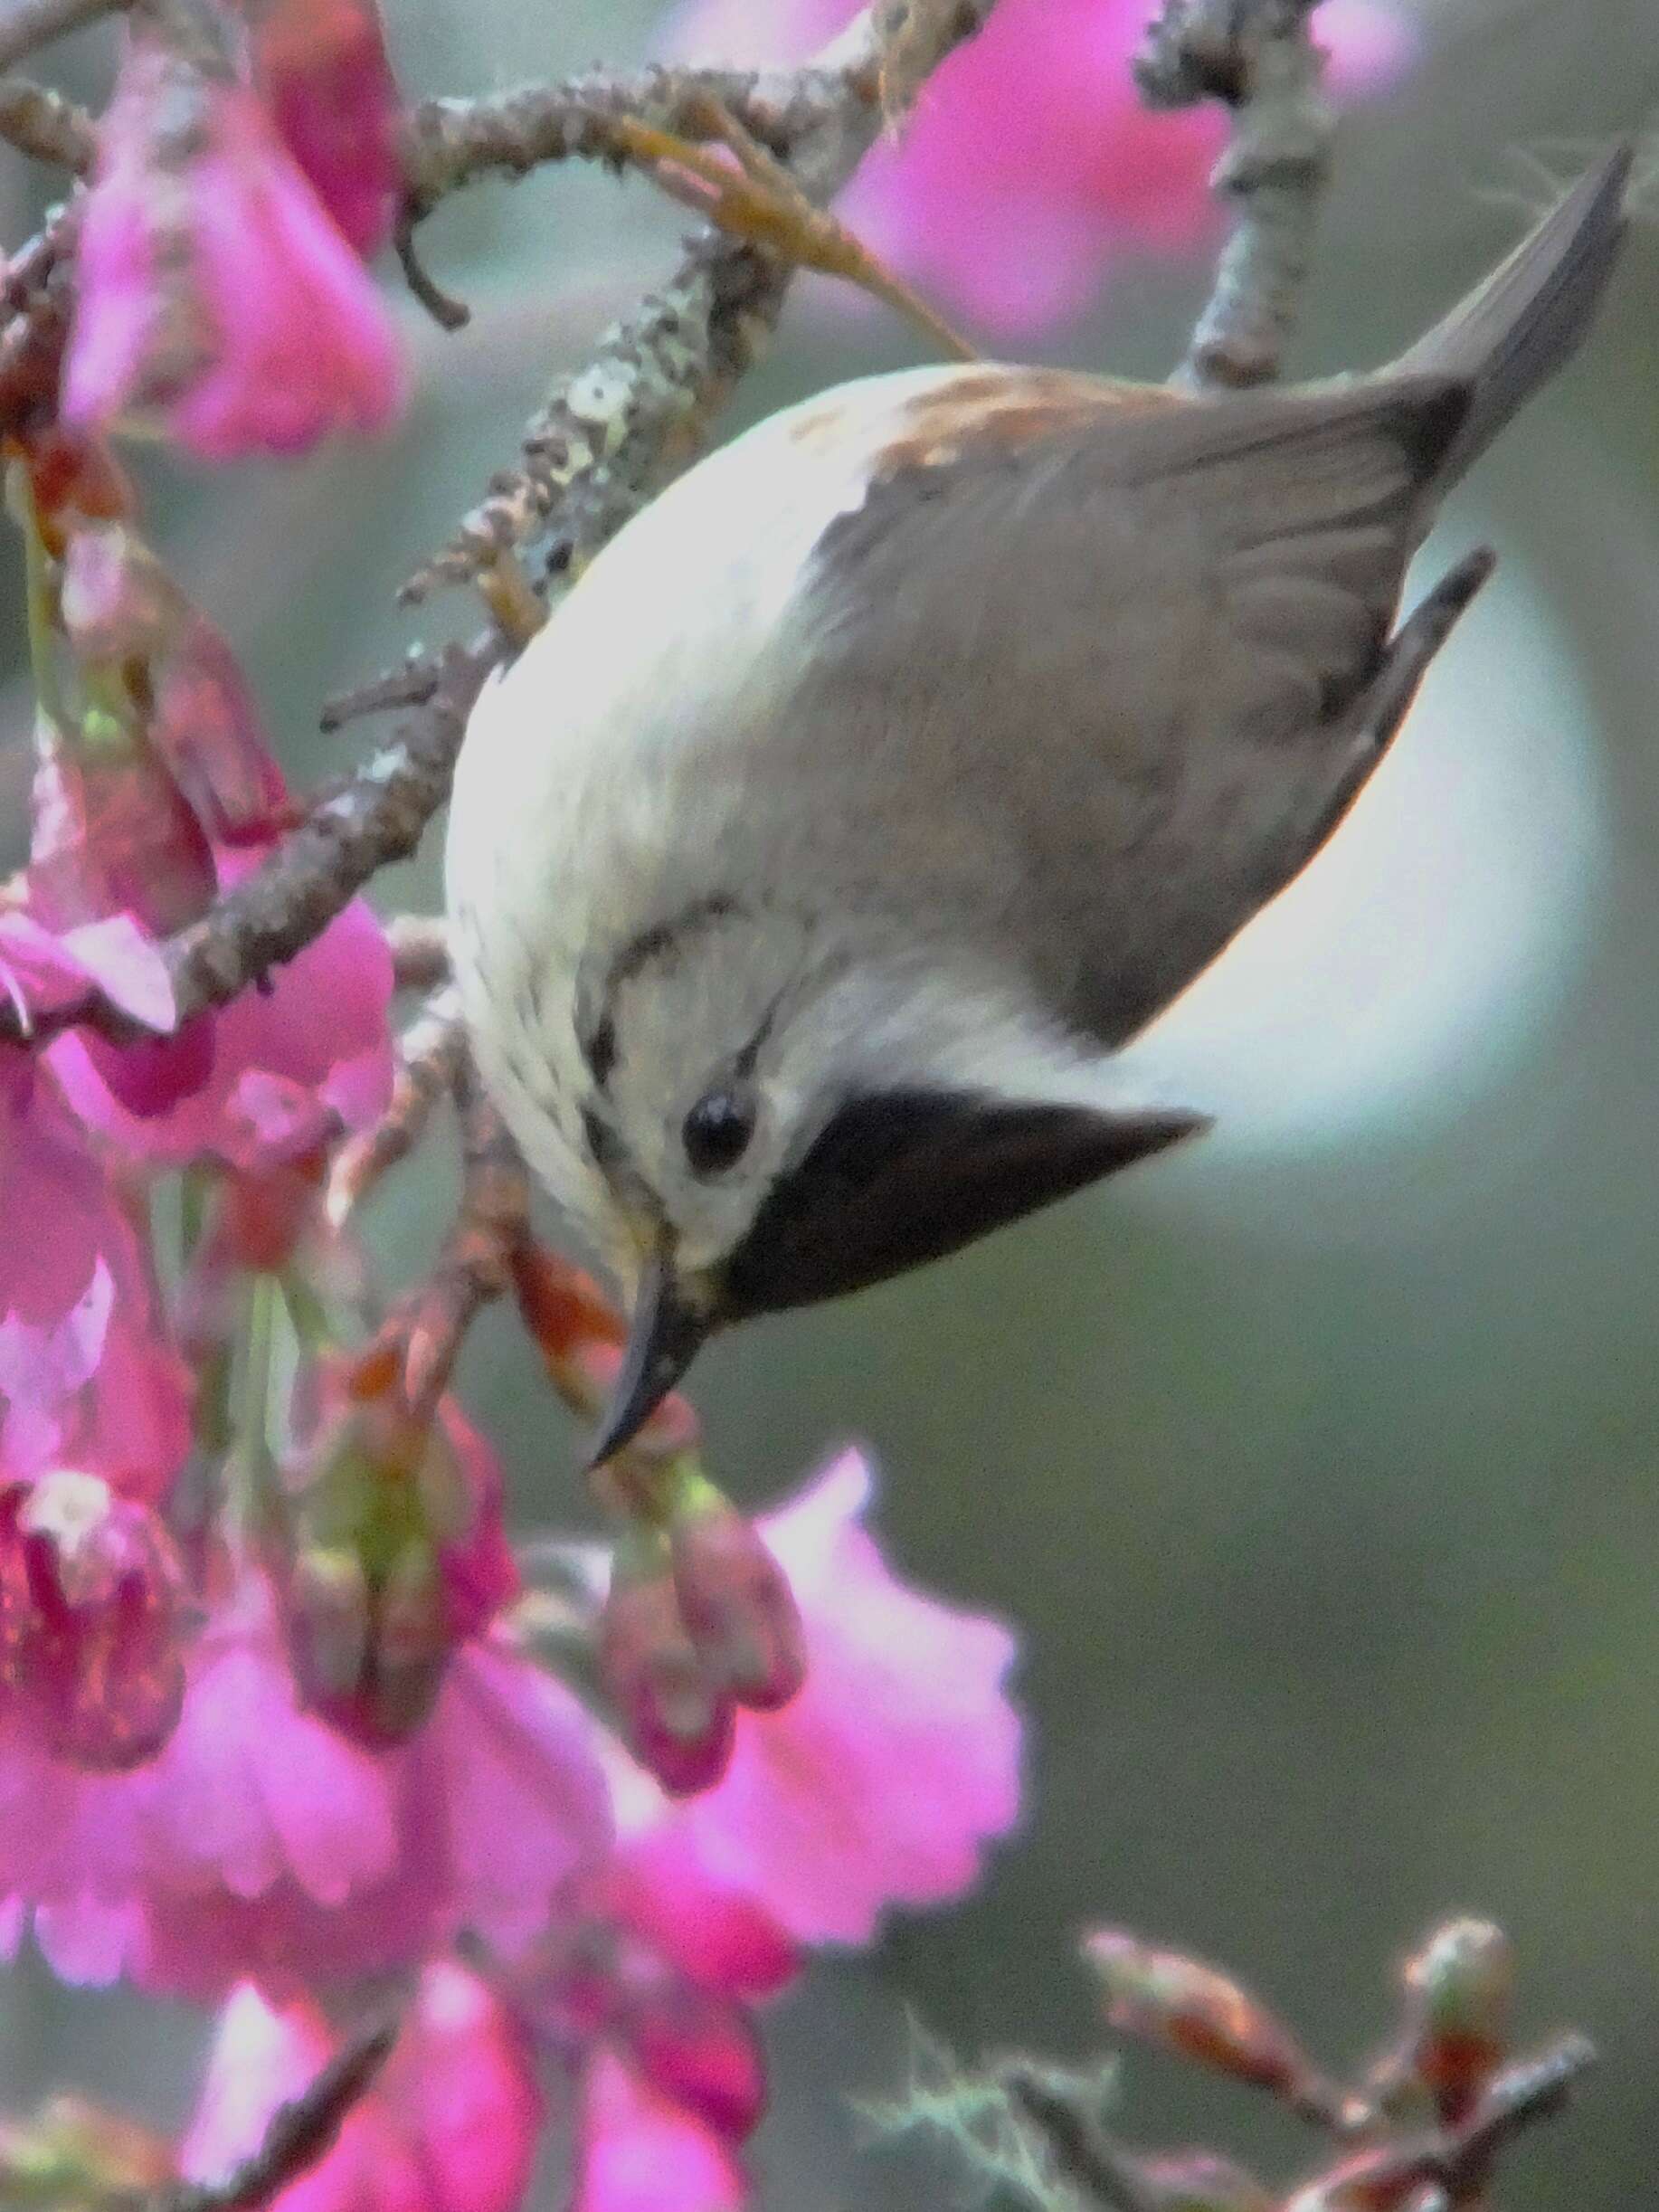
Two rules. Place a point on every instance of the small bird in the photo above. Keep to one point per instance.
(894, 768)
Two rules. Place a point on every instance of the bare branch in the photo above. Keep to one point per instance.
(449, 143)
(412, 685)
(1084, 2154)
(430, 1055)
(605, 442)
(1259, 57)
(609, 437)
(428, 1327)
(46, 126)
(28, 24)
(300, 2132)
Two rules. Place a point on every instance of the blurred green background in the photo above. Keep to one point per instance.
(1319, 1466)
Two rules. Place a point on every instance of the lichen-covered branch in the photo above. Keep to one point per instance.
(611, 436)
(607, 439)
(449, 143)
(1260, 58)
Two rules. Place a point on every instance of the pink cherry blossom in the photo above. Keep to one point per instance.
(88, 1373)
(448, 2125)
(217, 296)
(322, 68)
(899, 1759)
(317, 1040)
(658, 1887)
(259, 1841)
(1030, 165)
(639, 2151)
(92, 1648)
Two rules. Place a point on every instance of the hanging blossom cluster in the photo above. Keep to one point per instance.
(280, 1714)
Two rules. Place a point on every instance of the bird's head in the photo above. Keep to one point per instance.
(773, 1117)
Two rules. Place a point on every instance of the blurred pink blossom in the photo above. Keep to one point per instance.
(899, 1759)
(88, 1373)
(92, 1651)
(1030, 167)
(449, 2124)
(639, 2151)
(322, 69)
(261, 1842)
(658, 1888)
(216, 295)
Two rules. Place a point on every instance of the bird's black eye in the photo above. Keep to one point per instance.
(717, 1132)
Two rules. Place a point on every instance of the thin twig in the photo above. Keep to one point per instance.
(300, 2132)
(429, 1057)
(427, 1327)
(1259, 57)
(46, 125)
(607, 439)
(29, 25)
(1084, 2154)
(412, 685)
(450, 143)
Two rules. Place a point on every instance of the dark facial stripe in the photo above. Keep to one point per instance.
(653, 943)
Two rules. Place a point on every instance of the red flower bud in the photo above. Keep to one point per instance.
(735, 1602)
(394, 1553)
(1459, 1989)
(677, 1721)
(90, 1591)
(1191, 2008)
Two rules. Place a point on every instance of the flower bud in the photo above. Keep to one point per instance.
(677, 1721)
(735, 1601)
(1459, 1988)
(1191, 2008)
(90, 1642)
(394, 1552)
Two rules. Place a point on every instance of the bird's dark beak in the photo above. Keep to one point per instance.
(668, 1328)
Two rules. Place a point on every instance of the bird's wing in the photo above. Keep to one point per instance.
(1098, 675)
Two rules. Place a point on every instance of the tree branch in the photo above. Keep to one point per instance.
(28, 24)
(609, 437)
(605, 442)
(46, 126)
(1259, 57)
(299, 2134)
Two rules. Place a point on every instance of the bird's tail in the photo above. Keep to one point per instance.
(1529, 317)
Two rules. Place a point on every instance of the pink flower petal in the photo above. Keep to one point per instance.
(294, 341)
(641, 2154)
(881, 1783)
